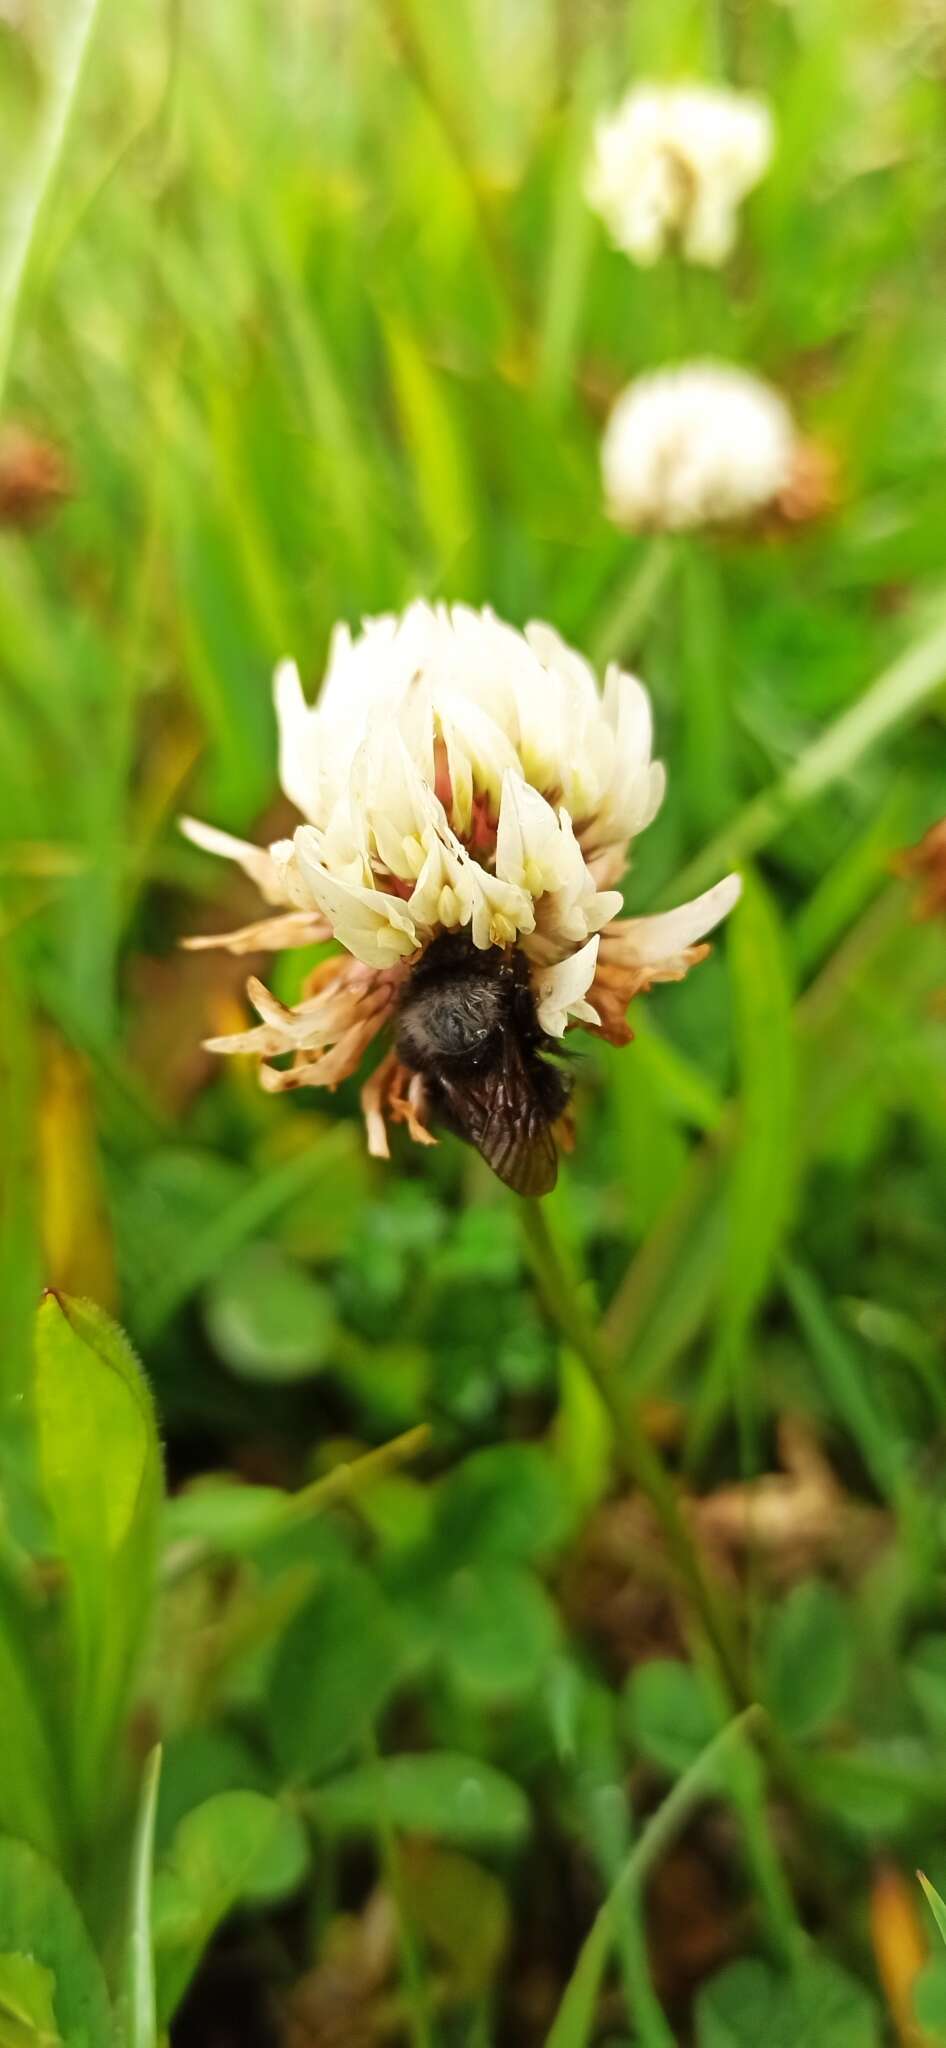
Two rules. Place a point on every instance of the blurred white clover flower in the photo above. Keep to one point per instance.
(455, 777)
(672, 163)
(696, 445)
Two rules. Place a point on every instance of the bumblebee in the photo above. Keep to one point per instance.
(467, 1023)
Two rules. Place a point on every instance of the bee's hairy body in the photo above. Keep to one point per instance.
(467, 1022)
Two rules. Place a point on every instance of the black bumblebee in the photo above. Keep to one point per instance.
(467, 1022)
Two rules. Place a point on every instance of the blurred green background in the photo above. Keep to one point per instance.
(315, 319)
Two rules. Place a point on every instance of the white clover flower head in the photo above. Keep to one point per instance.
(696, 445)
(456, 777)
(672, 164)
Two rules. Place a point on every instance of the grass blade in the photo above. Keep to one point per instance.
(142, 2011)
(936, 1905)
(29, 202)
(573, 2023)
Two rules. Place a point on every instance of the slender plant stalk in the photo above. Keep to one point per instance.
(643, 1466)
(635, 602)
(570, 2025)
(30, 199)
(142, 2018)
(343, 1484)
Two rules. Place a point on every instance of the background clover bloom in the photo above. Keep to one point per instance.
(672, 163)
(456, 777)
(696, 445)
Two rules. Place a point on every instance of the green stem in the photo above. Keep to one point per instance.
(561, 1299)
(30, 200)
(142, 2019)
(572, 2021)
(624, 621)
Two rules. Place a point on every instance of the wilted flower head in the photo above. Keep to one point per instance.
(470, 798)
(694, 446)
(673, 163)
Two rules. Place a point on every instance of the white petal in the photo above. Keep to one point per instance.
(375, 926)
(479, 753)
(697, 444)
(560, 990)
(653, 939)
(500, 910)
(299, 742)
(531, 849)
(675, 162)
(254, 860)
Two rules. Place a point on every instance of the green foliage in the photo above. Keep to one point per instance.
(100, 1471)
(235, 1848)
(26, 2004)
(267, 1318)
(936, 1904)
(929, 1998)
(338, 1662)
(820, 2004)
(496, 1631)
(668, 1713)
(50, 1977)
(456, 1798)
(808, 1658)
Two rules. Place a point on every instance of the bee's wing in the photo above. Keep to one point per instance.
(501, 1114)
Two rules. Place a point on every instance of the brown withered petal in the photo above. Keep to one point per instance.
(813, 488)
(34, 477)
(926, 863)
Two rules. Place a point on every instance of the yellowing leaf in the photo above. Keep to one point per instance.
(27, 2019)
(77, 1245)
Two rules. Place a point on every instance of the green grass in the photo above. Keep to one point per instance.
(311, 300)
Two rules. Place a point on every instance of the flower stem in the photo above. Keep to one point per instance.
(559, 1293)
(633, 606)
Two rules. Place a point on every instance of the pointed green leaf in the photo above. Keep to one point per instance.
(936, 1904)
